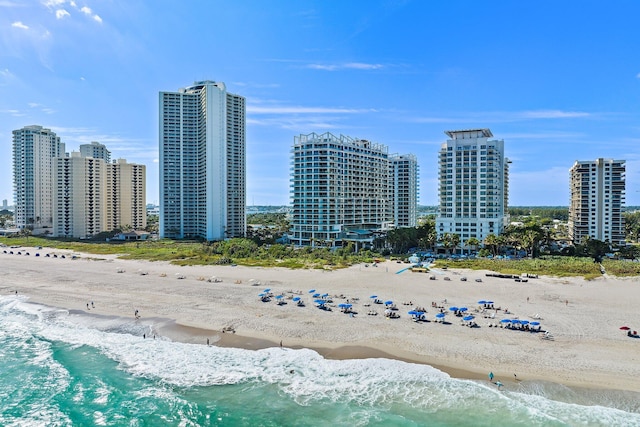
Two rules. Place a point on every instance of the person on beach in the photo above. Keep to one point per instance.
(280, 344)
(207, 341)
(92, 306)
(87, 306)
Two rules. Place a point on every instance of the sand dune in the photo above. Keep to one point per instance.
(583, 317)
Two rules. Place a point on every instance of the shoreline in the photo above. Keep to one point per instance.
(584, 316)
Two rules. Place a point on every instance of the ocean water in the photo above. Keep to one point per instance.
(65, 369)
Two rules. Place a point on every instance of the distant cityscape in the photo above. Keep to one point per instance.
(343, 189)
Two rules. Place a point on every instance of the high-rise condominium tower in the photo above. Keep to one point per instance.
(126, 195)
(80, 196)
(343, 190)
(95, 150)
(404, 191)
(202, 163)
(34, 151)
(597, 201)
(474, 185)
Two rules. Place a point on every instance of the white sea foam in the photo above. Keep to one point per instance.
(306, 376)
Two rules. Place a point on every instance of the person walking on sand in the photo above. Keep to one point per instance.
(280, 343)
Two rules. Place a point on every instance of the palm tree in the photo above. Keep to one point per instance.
(473, 243)
(492, 241)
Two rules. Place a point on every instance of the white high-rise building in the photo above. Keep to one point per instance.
(34, 151)
(404, 191)
(343, 190)
(202, 163)
(80, 196)
(126, 195)
(474, 185)
(96, 150)
(597, 201)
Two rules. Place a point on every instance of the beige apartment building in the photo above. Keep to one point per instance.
(79, 197)
(126, 195)
(92, 196)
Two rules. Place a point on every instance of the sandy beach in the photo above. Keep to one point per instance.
(584, 317)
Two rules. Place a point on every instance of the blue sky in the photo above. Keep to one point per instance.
(559, 81)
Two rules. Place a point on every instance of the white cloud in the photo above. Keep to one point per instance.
(97, 19)
(348, 65)
(19, 24)
(53, 3)
(505, 116)
(61, 13)
(305, 110)
(86, 10)
(553, 114)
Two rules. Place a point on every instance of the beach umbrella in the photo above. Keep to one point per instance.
(467, 318)
(320, 302)
(534, 323)
(279, 296)
(325, 295)
(524, 322)
(388, 302)
(373, 296)
(505, 321)
(463, 309)
(349, 305)
(489, 302)
(316, 295)
(624, 328)
(440, 315)
(343, 305)
(262, 294)
(515, 321)
(452, 308)
(482, 301)
(296, 298)
(312, 291)
(267, 290)
(413, 313)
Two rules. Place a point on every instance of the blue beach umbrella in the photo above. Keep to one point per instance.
(467, 318)
(482, 301)
(515, 321)
(440, 315)
(279, 296)
(489, 302)
(316, 295)
(505, 321)
(453, 308)
(413, 313)
(325, 295)
(312, 291)
(534, 323)
(463, 309)
(296, 298)
(262, 294)
(524, 322)
(343, 305)
(388, 302)
(373, 296)
(320, 301)
(267, 290)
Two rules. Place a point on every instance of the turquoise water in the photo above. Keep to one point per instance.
(64, 369)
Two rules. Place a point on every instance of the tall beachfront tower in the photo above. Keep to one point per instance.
(95, 150)
(340, 190)
(404, 191)
(597, 201)
(126, 195)
(80, 197)
(202, 163)
(34, 151)
(474, 185)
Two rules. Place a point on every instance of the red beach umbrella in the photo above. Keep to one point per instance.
(624, 328)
